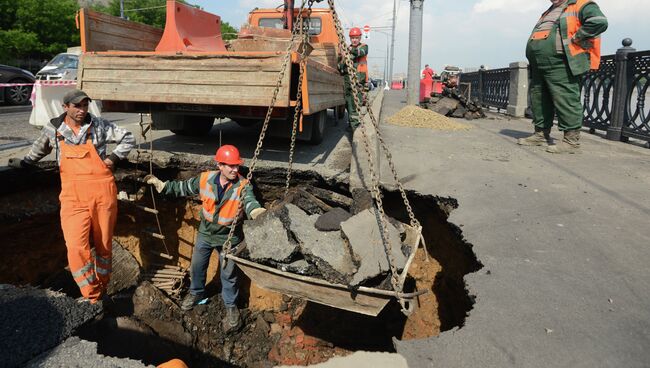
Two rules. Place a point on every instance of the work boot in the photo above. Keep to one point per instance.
(190, 301)
(232, 320)
(569, 144)
(541, 137)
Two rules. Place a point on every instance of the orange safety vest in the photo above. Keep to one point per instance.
(362, 63)
(227, 209)
(571, 14)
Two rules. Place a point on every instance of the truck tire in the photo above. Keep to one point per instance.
(194, 125)
(318, 121)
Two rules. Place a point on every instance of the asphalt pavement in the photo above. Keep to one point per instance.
(563, 240)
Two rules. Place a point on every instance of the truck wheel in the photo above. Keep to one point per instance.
(195, 125)
(318, 121)
(18, 95)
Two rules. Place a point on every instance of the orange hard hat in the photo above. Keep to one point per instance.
(228, 154)
(355, 32)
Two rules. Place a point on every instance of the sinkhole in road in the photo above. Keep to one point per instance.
(146, 324)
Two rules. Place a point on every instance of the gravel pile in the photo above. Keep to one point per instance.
(34, 321)
(416, 117)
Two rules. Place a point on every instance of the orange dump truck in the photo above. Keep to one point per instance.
(186, 76)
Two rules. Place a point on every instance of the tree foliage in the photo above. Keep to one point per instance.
(36, 28)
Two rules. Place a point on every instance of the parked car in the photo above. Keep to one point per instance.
(62, 67)
(20, 93)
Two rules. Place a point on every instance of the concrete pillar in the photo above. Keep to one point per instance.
(415, 53)
(518, 99)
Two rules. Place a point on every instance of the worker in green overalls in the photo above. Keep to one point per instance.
(564, 44)
(359, 54)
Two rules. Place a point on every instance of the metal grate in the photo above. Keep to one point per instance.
(597, 94)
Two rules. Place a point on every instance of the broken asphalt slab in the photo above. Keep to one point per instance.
(366, 242)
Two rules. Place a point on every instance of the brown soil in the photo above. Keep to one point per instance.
(277, 329)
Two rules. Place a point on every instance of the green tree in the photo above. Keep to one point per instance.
(36, 28)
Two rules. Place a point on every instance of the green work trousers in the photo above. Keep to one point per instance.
(353, 114)
(554, 90)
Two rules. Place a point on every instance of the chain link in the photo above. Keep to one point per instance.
(376, 192)
(299, 108)
(287, 58)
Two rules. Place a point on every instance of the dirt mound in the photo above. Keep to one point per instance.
(416, 117)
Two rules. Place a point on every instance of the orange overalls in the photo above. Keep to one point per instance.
(88, 202)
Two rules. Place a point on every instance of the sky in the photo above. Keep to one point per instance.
(466, 33)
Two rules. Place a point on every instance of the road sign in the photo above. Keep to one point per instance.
(366, 28)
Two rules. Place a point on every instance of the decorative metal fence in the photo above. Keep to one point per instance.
(614, 96)
(597, 94)
(637, 119)
(488, 87)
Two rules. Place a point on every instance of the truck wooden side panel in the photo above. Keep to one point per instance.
(235, 79)
(103, 32)
(324, 88)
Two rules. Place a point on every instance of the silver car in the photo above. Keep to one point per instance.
(62, 67)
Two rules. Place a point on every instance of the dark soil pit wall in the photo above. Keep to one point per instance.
(278, 329)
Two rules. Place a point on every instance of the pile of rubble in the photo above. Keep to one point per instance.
(452, 102)
(305, 236)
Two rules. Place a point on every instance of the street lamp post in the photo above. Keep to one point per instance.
(415, 53)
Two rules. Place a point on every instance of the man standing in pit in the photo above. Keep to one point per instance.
(564, 45)
(88, 191)
(359, 54)
(222, 193)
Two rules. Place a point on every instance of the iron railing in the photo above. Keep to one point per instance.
(488, 87)
(614, 96)
(597, 92)
(637, 117)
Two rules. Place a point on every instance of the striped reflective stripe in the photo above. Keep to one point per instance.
(225, 220)
(207, 190)
(207, 214)
(597, 18)
(87, 267)
(90, 279)
(104, 265)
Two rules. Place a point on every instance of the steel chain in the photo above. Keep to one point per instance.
(287, 58)
(375, 182)
(298, 112)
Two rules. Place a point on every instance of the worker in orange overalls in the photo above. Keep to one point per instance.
(359, 54)
(88, 191)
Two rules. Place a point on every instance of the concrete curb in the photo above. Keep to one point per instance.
(12, 109)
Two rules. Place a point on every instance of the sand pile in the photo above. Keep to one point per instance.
(416, 117)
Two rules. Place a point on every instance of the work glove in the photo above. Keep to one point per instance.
(257, 212)
(16, 163)
(157, 183)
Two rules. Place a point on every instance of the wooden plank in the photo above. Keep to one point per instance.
(102, 32)
(324, 88)
(160, 63)
(190, 94)
(222, 78)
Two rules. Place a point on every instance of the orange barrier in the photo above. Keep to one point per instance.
(190, 29)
